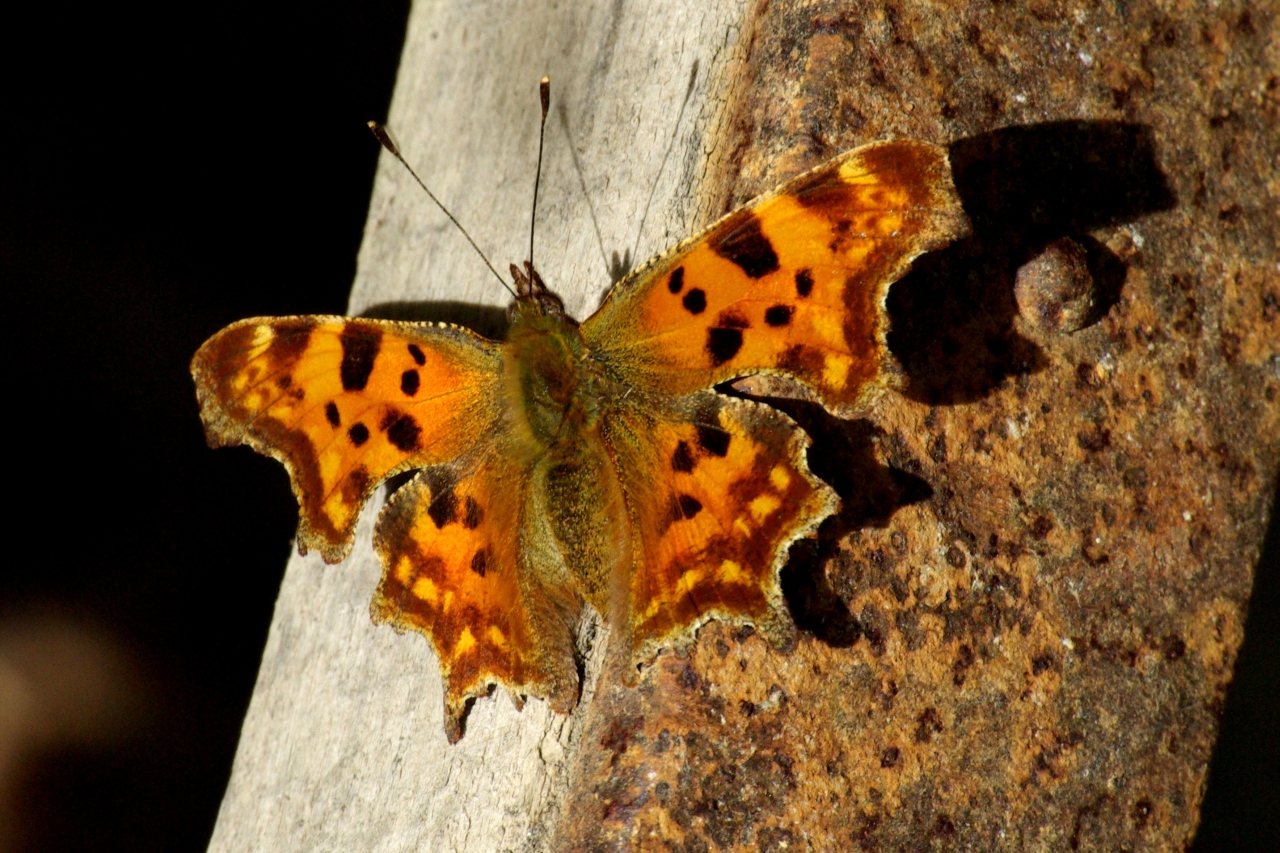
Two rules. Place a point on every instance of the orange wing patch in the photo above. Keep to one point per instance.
(718, 489)
(793, 284)
(456, 568)
(345, 403)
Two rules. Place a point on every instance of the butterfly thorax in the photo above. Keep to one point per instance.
(555, 387)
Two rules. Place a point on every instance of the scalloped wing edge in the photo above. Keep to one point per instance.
(777, 626)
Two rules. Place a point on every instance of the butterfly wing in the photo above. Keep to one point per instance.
(794, 283)
(717, 489)
(344, 404)
(465, 563)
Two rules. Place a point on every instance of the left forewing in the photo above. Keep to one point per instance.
(345, 403)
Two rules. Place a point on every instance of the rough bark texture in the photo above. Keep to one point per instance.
(1020, 629)
(1018, 632)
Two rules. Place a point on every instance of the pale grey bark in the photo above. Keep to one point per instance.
(343, 747)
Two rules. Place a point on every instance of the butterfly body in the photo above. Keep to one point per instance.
(592, 463)
(552, 383)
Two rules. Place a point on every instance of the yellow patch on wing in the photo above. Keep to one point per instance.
(454, 572)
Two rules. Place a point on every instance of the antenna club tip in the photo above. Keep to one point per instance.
(544, 92)
(380, 133)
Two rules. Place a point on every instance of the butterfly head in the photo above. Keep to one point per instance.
(533, 295)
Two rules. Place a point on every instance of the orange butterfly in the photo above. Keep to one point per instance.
(592, 463)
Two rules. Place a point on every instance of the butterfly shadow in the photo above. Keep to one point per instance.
(490, 321)
(842, 454)
(1023, 187)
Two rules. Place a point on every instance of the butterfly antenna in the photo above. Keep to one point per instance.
(380, 133)
(544, 92)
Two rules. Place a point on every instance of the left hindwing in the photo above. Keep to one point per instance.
(794, 283)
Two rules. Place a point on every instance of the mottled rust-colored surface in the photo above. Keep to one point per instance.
(1019, 631)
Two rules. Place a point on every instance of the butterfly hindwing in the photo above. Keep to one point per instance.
(792, 284)
(717, 490)
(344, 403)
(463, 566)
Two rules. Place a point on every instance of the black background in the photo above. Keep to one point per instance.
(165, 171)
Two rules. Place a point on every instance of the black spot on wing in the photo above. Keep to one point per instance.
(288, 343)
(419, 357)
(409, 382)
(676, 283)
(474, 514)
(732, 320)
(359, 434)
(689, 506)
(444, 505)
(714, 441)
(331, 414)
(360, 345)
(842, 235)
(778, 315)
(723, 344)
(741, 241)
(401, 429)
(804, 283)
(480, 562)
(283, 382)
(682, 459)
(695, 301)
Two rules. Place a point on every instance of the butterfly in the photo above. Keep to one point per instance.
(592, 463)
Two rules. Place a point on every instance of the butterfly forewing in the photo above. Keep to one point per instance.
(345, 403)
(794, 283)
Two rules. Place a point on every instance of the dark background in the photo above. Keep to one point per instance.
(165, 171)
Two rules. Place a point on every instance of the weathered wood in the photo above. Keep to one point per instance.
(343, 747)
